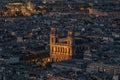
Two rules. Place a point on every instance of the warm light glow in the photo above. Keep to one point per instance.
(60, 51)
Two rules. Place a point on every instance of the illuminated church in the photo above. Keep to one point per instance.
(66, 47)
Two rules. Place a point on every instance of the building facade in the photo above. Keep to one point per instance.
(66, 47)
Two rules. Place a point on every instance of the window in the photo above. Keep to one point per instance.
(52, 49)
(68, 50)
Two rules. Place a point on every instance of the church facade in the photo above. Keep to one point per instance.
(65, 47)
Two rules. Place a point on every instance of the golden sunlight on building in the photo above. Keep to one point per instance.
(30, 6)
(66, 47)
(24, 9)
(60, 49)
(81, 8)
